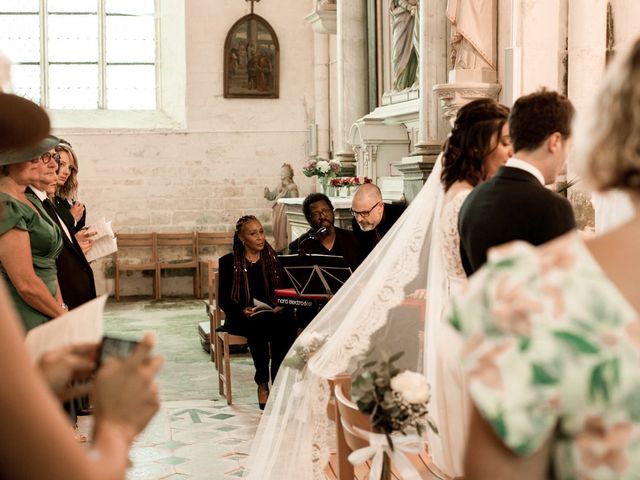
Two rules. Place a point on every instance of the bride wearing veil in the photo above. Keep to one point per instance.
(378, 313)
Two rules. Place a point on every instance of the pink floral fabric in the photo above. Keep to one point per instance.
(552, 348)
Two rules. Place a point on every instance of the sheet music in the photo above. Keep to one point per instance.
(82, 324)
(102, 228)
(105, 242)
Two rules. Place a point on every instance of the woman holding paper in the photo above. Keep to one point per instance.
(72, 211)
(37, 443)
(30, 242)
(249, 275)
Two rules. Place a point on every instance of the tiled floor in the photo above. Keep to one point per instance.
(195, 435)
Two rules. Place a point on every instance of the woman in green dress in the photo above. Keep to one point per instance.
(29, 240)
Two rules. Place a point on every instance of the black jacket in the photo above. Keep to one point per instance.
(75, 275)
(345, 246)
(368, 240)
(513, 205)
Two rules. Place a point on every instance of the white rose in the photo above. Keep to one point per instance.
(323, 166)
(412, 386)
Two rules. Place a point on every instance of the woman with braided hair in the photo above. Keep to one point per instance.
(252, 272)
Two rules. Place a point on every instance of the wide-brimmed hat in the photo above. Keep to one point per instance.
(11, 157)
(22, 122)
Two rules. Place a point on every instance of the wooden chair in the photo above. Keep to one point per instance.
(222, 342)
(350, 416)
(223, 242)
(186, 242)
(146, 241)
(212, 311)
(339, 467)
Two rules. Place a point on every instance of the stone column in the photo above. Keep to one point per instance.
(587, 42)
(352, 74)
(431, 127)
(321, 93)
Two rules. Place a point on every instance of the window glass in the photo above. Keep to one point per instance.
(130, 39)
(129, 7)
(73, 38)
(131, 87)
(20, 6)
(26, 81)
(76, 6)
(73, 86)
(20, 37)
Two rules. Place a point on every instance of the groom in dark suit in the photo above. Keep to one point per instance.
(514, 204)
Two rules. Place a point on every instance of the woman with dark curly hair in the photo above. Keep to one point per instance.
(478, 145)
(252, 273)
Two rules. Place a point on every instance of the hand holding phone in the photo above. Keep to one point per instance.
(115, 347)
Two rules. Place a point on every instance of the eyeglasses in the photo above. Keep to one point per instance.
(325, 212)
(46, 158)
(364, 213)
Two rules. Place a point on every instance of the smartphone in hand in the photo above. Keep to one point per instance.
(115, 347)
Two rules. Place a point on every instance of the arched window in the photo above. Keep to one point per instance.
(251, 59)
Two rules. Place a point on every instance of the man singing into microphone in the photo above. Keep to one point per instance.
(323, 237)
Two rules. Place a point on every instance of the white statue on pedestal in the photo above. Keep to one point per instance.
(405, 43)
(473, 25)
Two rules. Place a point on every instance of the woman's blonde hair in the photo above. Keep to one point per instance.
(69, 190)
(608, 143)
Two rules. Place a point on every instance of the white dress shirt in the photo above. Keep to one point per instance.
(527, 167)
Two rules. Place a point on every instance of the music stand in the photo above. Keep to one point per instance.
(314, 275)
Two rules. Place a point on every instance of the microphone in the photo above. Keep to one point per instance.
(314, 235)
(319, 233)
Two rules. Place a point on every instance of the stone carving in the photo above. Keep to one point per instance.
(405, 47)
(286, 189)
(473, 35)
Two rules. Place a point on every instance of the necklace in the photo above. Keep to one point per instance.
(251, 260)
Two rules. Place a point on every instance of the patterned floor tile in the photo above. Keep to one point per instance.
(172, 460)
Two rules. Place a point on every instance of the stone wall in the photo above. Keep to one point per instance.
(206, 175)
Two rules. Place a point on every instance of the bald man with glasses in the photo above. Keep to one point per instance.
(372, 218)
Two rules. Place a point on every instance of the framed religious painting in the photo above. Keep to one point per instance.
(251, 59)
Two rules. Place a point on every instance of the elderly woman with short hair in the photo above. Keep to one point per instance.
(29, 240)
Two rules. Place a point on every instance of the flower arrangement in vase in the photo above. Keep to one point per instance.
(397, 403)
(345, 185)
(323, 169)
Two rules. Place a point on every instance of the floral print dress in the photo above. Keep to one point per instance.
(553, 349)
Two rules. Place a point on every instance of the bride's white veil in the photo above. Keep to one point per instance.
(374, 310)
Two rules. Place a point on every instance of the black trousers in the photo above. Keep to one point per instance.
(269, 332)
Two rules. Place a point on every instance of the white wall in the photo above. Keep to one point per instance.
(205, 176)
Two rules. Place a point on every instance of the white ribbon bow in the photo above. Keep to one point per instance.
(378, 446)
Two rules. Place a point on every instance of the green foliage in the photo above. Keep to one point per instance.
(605, 376)
(577, 343)
(371, 391)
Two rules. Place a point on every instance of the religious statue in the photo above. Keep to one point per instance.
(405, 49)
(473, 34)
(286, 189)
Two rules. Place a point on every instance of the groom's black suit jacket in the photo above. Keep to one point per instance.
(75, 276)
(513, 205)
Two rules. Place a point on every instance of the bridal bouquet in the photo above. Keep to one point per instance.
(396, 401)
(306, 345)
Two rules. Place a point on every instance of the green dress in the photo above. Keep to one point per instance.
(46, 243)
(553, 350)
